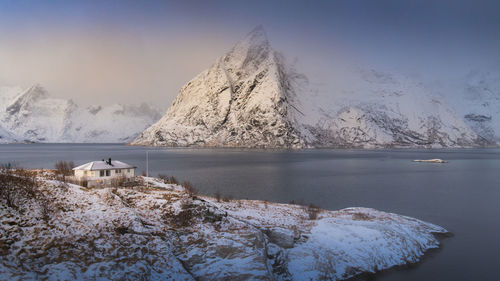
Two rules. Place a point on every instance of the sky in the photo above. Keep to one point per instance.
(103, 52)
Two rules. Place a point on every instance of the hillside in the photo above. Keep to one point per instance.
(61, 231)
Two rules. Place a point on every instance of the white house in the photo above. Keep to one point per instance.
(103, 172)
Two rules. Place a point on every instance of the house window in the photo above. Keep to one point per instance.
(101, 173)
(128, 170)
(107, 173)
(84, 173)
(118, 171)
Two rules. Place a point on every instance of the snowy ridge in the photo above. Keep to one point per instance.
(242, 100)
(383, 110)
(251, 98)
(6, 136)
(32, 115)
(477, 99)
(162, 232)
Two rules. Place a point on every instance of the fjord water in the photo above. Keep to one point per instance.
(463, 195)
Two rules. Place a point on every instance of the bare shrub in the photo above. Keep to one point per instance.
(292, 202)
(163, 177)
(143, 173)
(312, 211)
(227, 198)
(17, 187)
(64, 169)
(218, 196)
(191, 191)
(167, 179)
(173, 180)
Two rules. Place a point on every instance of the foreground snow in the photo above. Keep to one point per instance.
(72, 233)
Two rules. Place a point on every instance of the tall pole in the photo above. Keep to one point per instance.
(147, 167)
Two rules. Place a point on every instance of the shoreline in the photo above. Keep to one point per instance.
(212, 232)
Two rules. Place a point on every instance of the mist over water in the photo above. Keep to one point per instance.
(461, 195)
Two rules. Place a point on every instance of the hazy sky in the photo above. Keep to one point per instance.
(101, 52)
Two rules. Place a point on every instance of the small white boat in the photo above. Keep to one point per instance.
(431, 161)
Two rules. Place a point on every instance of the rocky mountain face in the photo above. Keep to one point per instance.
(244, 100)
(478, 102)
(251, 98)
(5, 136)
(33, 116)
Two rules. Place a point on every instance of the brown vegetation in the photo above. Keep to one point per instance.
(185, 217)
(312, 211)
(64, 169)
(168, 180)
(17, 186)
(191, 191)
(362, 216)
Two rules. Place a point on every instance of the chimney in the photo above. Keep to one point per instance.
(109, 162)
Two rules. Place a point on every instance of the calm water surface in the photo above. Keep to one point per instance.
(462, 195)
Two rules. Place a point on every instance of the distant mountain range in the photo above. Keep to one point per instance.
(31, 115)
(251, 98)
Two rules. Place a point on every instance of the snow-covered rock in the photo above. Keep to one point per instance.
(32, 115)
(251, 98)
(6, 136)
(59, 231)
(244, 100)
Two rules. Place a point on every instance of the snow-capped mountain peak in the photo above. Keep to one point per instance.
(241, 100)
(27, 99)
(250, 97)
(32, 115)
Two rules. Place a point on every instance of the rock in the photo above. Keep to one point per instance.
(251, 97)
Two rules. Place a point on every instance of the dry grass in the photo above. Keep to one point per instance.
(191, 191)
(362, 216)
(64, 169)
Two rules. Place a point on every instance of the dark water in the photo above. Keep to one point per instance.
(462, 195)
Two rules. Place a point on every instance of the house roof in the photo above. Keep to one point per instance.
(103, 165)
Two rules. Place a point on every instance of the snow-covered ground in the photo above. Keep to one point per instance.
(67, 232)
